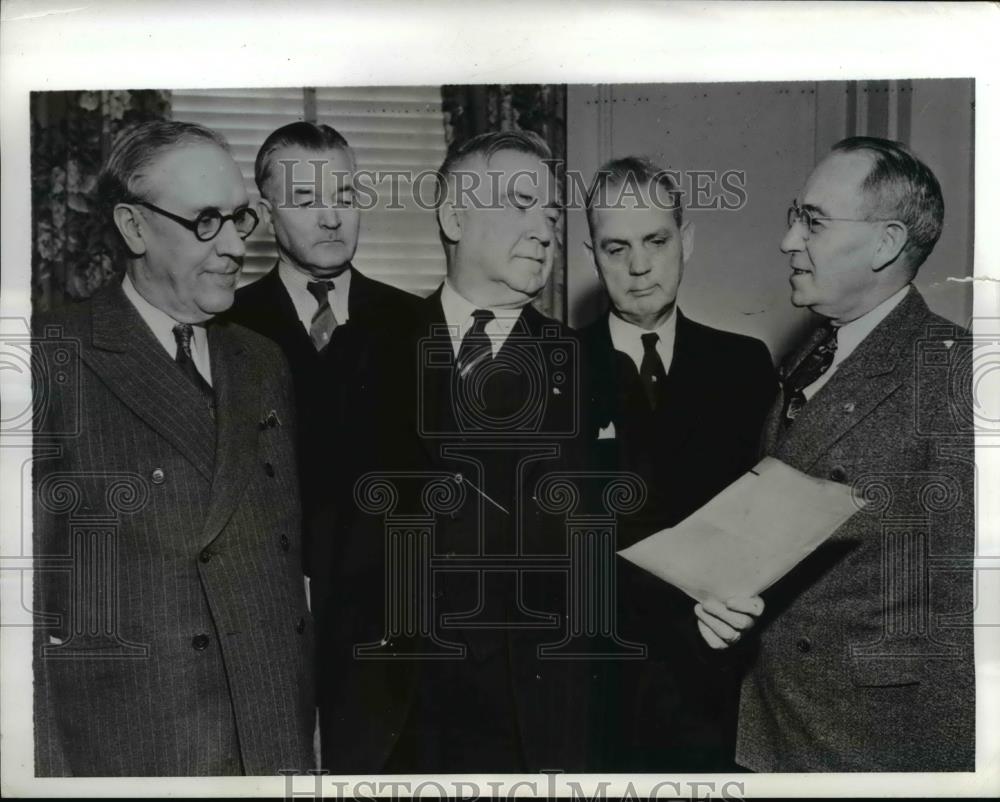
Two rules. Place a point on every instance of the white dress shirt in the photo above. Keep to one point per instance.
(162, 326)
(458, 315)
(305, 302)
(627, 338)
(851, 335)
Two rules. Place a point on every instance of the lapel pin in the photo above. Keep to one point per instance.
(607, 433)
(849, 406)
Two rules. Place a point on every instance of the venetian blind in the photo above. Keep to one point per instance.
(389, 128)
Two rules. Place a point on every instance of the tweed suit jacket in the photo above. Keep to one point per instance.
(173, 635)
(864, 659)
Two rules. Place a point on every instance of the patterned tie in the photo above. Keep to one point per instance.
(323, 320)
(475, 345)
(182, 334)
(809, 370)
(651, 372)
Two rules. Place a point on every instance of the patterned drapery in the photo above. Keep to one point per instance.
(71, 136)
(472, 109)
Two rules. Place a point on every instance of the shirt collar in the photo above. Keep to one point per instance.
(627, 338)
(458, 316)
(296, 282)
(851, 335)
(160, 323)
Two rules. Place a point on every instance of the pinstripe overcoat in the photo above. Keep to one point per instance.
(172, 636)
(865, 661)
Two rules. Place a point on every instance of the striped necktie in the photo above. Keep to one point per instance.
(809, 370)
(183, 332)
(323, 320)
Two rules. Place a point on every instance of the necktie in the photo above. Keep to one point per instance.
(651, 372)
(323, 320)
(475, 345)
(182, 334)
(809, 370)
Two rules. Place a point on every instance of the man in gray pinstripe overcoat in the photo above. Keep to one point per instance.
(173, 634)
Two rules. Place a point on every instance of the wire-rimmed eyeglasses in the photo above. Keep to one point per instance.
(796, 214)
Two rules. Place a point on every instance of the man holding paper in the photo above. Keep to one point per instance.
(864, 659)
(661, 407)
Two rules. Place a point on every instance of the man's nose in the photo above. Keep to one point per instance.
(228, 241)
(639, 262)
(542, 230)
(329, 216)
(794, 240)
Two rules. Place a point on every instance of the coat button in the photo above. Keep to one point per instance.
(269, 469)
(285, 544)
(803, 645)
(206, 555)
(199, 642)
(838, 473)
(300, 626)
(157, 476)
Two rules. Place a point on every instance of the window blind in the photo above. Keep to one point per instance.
(389, 128)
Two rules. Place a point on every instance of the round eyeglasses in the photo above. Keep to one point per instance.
(207, 225)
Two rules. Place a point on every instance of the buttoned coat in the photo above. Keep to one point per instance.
(864, 659)
(376, 694)
(666, 712)
(173, 636)
(334, 390)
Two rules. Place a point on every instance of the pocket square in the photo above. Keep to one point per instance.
(270, 420)
(607, 433)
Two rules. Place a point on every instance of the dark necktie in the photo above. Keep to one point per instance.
(182, 334)
(323, 320)
(809, 370)
(651, 372)
(475, 345)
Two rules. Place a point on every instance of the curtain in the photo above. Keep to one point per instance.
(473, 109)
(71, 136)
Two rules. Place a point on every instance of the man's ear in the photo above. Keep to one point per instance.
(589, 245)
(450, 219)
(264, 210)
(890, 245)
(687, 240)
(128, 223)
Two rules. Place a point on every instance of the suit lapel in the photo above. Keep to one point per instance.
(685, 387)
(137, 369)
(237, 394)
(433, 386)
(874, 370)
(286, 324)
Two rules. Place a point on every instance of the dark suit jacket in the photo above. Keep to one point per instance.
(671, 712)
(335, 397)
(864, 660)
(193, 523)
(379, 703)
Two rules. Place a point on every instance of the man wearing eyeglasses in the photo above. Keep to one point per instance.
(175, 641)
(863, 654)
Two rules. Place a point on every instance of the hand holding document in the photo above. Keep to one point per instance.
(749, 536)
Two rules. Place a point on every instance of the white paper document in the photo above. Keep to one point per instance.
(749, 536)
